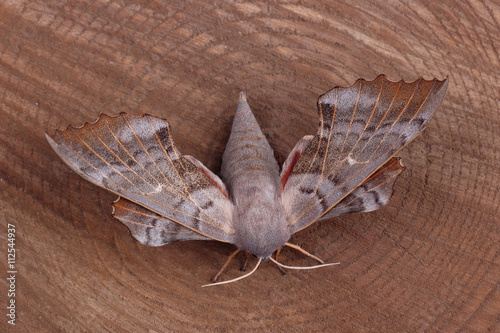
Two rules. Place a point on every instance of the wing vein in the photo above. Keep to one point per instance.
(347, 132)
(88, 163)
(352, 118)
(131, 156)
(167, 182)
(121, 161)
(189, 196)
(102, 159)
(397, 119)
(370, 118)
(380, 122)
(332, 123)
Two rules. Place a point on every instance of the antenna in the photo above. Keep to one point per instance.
(238, 278)
(302, 267)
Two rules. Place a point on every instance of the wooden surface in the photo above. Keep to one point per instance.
(427, 262)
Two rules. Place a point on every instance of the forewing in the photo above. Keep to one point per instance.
(374, 193)
(150, 228)
(135, 157)
(361, 128)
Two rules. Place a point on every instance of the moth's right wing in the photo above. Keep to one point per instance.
(135, 157)
(361, 128)
(374, 193)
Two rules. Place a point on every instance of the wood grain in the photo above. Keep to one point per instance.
(429, 261)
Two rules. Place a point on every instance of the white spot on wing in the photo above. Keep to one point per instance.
(158, 188)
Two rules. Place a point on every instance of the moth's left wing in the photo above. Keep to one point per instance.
(150, 228)
(361, 128)
(135, 157)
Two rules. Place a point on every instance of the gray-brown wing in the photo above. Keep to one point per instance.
(150, 228)
(361, 128)
(135, 157)
(374, 193)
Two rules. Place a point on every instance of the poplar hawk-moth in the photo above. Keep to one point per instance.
(347, 166)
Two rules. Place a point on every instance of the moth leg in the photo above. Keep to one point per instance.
(231, 256)
(244, 266)
(281, 269)
(298, 248)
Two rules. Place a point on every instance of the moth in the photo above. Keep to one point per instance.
(347, 166)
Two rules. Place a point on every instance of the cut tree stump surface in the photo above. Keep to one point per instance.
(429, 261)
